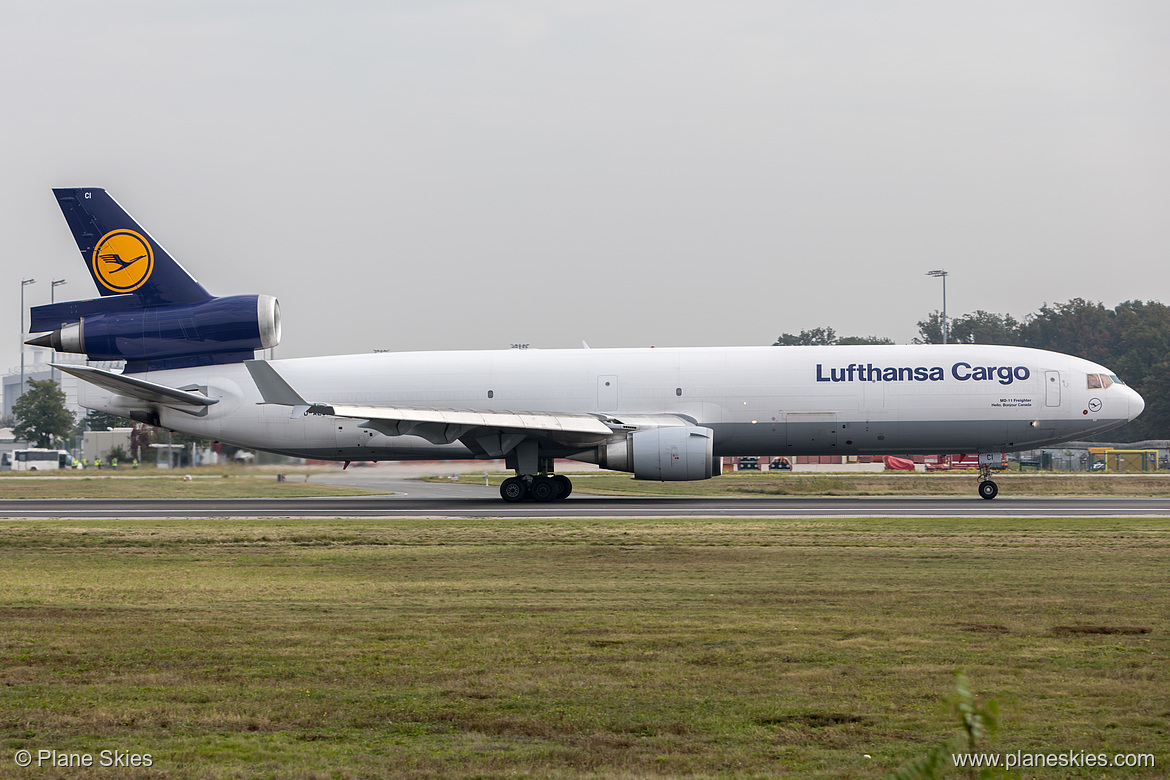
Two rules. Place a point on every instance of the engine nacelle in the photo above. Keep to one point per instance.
(239, 323)
(663, 454)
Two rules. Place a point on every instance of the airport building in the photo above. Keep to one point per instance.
(36, 366)
(40, 372)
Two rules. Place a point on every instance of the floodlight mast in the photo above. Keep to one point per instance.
(23, 283)
(943, 275)
(53, 285)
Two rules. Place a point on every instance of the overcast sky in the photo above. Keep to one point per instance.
(443, 175)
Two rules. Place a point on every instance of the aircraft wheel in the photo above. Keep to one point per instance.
(513, 490)
(988, 489)
(544, 489)
(564, 486)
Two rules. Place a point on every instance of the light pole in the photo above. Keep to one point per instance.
(53, 285)
(943, 275)
(23, 283)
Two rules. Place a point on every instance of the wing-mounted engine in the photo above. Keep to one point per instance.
(667, 454)
(218, 330)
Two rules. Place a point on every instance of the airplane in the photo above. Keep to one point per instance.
(665, 414)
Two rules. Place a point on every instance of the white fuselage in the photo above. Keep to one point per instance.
(837, 400)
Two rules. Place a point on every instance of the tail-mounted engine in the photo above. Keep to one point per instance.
(217, 330)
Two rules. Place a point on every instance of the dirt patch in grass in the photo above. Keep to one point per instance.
(992, 628)
(1101, 629)
(816, 720)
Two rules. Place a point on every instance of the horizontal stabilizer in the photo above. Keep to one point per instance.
(53, 315)
(136, 388)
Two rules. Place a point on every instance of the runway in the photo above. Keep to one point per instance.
(479, 506)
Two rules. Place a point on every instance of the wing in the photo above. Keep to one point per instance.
(486, 432)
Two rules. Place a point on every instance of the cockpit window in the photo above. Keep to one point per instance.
(1115, 379)
(1101, 381)
(1094, 381)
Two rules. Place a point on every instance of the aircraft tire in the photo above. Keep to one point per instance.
(513, 490)
(543, 489)
(988, 489)
(564, 486)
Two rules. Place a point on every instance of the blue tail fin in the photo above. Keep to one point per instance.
(122, 257)
(152, 313)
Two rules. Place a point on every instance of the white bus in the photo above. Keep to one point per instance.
(38, 460)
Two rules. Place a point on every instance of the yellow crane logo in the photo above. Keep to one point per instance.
(122, 261)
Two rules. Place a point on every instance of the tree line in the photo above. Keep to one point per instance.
(1131, 339)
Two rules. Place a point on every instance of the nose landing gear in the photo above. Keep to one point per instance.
(987, 488)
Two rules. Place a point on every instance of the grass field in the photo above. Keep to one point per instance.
(861, 484)
(255, 483)
(166, 485)
(577, 648)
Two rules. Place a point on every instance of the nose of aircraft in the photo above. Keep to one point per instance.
(1136, 403)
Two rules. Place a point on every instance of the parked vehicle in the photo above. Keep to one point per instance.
(40, 460)
(959, 461)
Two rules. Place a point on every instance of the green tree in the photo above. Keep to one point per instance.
(817, 337)
(1143, 335)
(1154, 422)
(930, 329)
(41, 415)
(1079, 327)
(824, 337)
(1141, 357)
(984, 327)
(140, 441)
(980, 327)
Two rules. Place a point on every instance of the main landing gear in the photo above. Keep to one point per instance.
(987, 488)
(534, 480)
(538, 487)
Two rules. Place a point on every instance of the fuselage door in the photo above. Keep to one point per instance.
(607, 393)
(1052, 388)
(811, 433)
